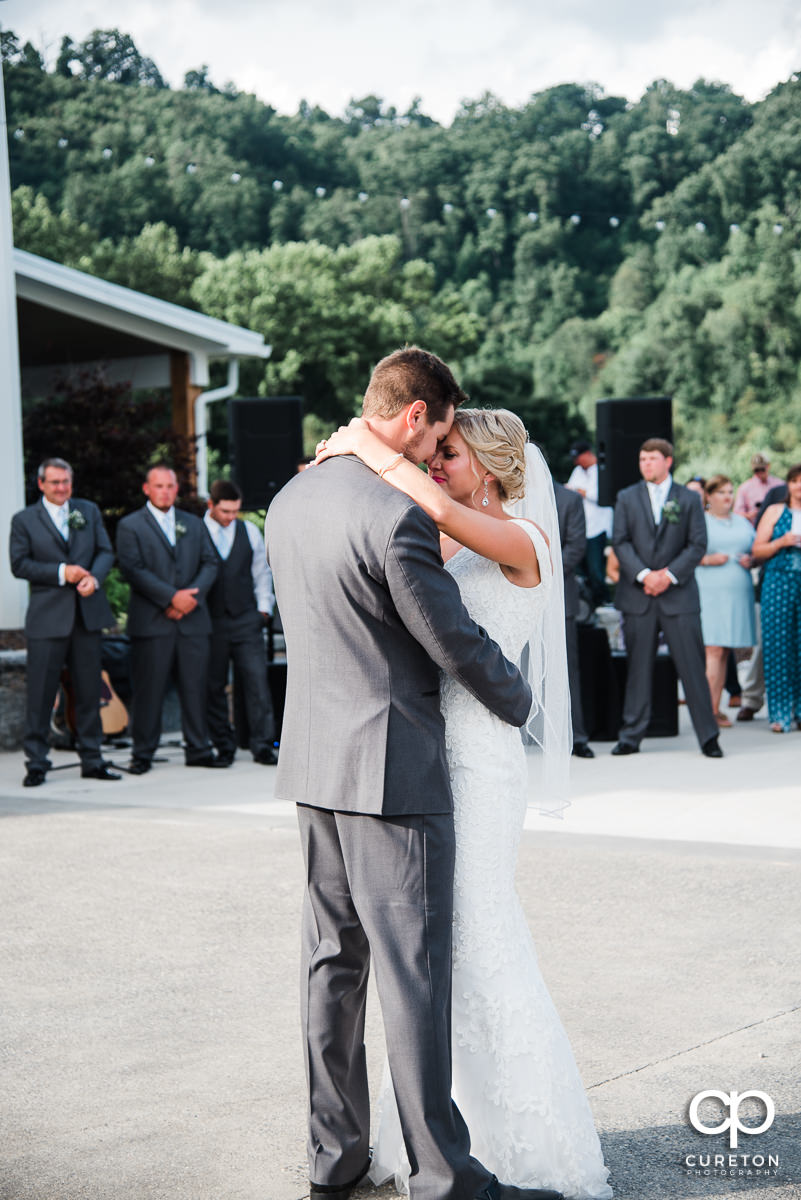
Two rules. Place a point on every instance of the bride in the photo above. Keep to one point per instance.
(515, 1079)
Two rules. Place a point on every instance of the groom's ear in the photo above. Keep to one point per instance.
(415, 413)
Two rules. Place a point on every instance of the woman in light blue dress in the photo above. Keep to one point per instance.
(724, 582)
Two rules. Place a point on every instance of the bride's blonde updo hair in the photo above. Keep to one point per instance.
(498, 439)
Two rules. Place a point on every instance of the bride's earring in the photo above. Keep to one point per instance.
(485, 501)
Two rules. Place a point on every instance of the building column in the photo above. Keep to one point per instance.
(184, 394)
(13, 592)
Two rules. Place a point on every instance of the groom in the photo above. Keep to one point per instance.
(370, 616)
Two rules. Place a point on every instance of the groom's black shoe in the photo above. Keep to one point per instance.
(504, 1191)
(337, 1191)
(625, 748)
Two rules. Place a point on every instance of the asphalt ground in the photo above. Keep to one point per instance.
(149, 959)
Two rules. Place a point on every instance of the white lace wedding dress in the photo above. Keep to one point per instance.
(515, 1079)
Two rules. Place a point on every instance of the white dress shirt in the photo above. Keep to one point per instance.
(223, 538)
(658, 494)
(166, 521)
(598, 519)
(59, 514)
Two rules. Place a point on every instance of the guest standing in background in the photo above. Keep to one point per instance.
(659, 538)
(751, 494)
(598, 520)
(166, 557)
(724, 584)
(753, 676)
(61, 547)
(573, 538)
(778, 545)
(240, 601)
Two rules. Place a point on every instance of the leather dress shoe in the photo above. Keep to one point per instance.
(34, 778)
(582, 750)
(208, 760)
(267, 758)
(101, 772)
(711, 749)
(138, 766)
(504, 1191)
(625, 748)
(225, 757)
(336, 1191)
(746, 713)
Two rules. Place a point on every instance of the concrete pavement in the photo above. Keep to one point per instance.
(148, 1015)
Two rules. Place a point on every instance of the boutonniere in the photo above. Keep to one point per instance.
(76, 519)
(180, 530)
(671, 511)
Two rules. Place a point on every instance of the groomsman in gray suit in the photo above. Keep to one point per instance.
(370, 616)
(573, 539)
(61, 547)
(659, 538)
(166, 557)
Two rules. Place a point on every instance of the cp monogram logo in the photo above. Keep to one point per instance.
(732, 1101)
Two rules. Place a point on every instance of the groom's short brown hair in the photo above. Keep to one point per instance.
(406, 376)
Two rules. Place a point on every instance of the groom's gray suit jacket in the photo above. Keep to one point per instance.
(370, 615)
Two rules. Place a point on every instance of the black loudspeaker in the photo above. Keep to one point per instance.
(621, 427)
(603, 685)
(266, 440)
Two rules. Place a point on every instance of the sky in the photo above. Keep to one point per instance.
(330, 51)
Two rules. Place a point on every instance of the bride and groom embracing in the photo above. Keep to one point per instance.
(401, 747)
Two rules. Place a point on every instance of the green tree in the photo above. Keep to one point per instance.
(330, 315)
(109, 436)
(108, 54)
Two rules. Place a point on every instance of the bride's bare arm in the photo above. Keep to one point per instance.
(501, 541)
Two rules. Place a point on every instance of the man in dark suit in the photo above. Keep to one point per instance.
(573, 537)
(240, 601)
(61, 547)
(659, 538)
(166, 557)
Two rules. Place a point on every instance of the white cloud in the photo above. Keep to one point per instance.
(327, 53)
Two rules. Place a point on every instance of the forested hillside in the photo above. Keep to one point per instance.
(576, 247)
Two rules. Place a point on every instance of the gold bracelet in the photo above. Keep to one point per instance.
(389, 464)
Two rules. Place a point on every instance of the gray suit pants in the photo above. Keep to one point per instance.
(381, 887)
(245, 647)
(81, 652)
(152, 661)
(683, 636)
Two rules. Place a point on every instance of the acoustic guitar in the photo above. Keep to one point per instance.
(113, 713)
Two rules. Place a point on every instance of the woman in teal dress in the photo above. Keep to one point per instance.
(724, 582)
(778, 545)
